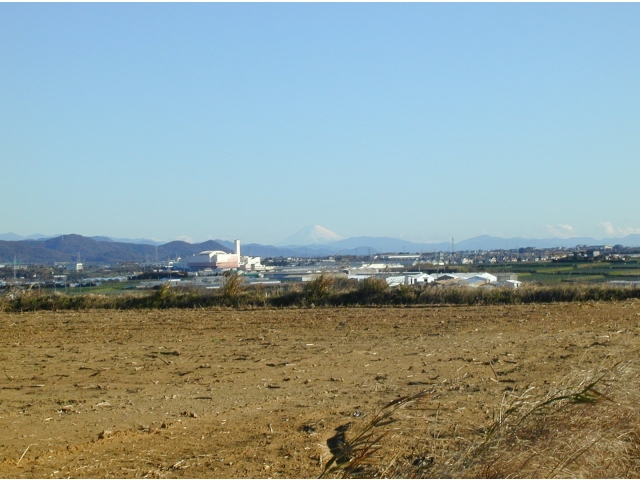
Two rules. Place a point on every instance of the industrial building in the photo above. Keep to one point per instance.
(252, 264)
(216, 259)
(409, 278)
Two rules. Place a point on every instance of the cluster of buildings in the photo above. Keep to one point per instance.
(469, 279)
(205, 265)
(587, 253)
(69, 266)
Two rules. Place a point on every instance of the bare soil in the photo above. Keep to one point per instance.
(256, 393)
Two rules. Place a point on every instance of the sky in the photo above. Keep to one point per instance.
(235, 120)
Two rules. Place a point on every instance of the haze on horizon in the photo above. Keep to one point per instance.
(417, 121)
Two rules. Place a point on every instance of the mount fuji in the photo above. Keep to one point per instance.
(311, 235)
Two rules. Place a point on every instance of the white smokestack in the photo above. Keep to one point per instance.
(237, 244)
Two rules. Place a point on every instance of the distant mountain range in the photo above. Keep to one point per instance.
(66, 248)
(13, 237)
(38, 236)
(320, 239)
(376, 245)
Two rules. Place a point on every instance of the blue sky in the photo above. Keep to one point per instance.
(251, 121)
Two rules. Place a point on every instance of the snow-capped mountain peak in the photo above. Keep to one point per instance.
(311, 235)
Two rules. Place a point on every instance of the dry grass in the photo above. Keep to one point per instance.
(317, 291)
(321, 292)
(586, 426)
(232, 288)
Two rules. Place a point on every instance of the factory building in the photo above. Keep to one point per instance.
(251, 264)
(216, 259)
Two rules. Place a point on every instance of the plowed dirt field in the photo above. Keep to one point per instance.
(256, 393)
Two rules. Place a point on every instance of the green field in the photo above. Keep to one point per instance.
(551, 272)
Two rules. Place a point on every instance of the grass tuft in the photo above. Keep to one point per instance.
(350, 456)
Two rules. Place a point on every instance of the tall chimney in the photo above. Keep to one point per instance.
(237, 244)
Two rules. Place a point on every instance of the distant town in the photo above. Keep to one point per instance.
(207, 269)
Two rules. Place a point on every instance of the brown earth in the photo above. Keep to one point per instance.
(256, 393)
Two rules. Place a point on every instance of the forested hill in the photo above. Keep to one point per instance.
(71, 247)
